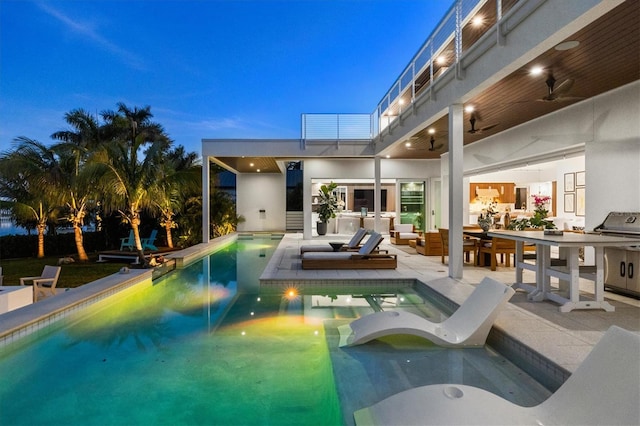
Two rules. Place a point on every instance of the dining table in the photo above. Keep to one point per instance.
(567, 294)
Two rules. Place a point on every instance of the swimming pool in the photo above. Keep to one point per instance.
(203, 346)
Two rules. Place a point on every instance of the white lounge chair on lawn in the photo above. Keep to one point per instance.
(604, 390)
(45, 282)
(353, 244)
(469, 325)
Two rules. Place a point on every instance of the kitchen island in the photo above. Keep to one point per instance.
(568, 292)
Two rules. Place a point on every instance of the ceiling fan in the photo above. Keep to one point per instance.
(434, 147)
(558, 93)
(473, 129)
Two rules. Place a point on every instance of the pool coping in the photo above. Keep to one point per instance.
(284, 270)
(26, 320)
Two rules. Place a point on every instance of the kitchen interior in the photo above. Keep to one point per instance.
(509, 191)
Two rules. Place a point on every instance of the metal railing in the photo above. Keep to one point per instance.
(440, 53)
(334, 127)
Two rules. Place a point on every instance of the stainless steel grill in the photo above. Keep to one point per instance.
(621, 263)
(620, 223)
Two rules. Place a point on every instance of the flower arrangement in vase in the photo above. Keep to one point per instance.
(486, 217)
(539, 218)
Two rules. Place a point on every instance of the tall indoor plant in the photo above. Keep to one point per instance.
(328, 204)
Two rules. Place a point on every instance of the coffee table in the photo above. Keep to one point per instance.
(336, 246)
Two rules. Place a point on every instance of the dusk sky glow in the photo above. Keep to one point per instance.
(208, 68)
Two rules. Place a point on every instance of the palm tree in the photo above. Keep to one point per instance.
(31, 176)
(180, 180)
(83, 138)
(129, 183)
(75, 148)
(224, 219)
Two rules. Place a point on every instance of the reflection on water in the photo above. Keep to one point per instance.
(191, 349)
(7, 227)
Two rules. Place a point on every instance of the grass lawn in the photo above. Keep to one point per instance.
(71, 275)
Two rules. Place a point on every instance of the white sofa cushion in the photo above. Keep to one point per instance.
(403, 227)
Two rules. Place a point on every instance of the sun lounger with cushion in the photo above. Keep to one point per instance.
(604, 390)
(365, 258)
(353, 244)
(469, 325)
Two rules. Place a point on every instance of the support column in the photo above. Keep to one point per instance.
(377, 199)
(456, 143)
(206, 215)
(307, 208)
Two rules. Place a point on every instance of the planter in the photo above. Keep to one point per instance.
(485, 223)
(321, 227)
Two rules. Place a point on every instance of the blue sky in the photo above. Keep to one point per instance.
(207, 68)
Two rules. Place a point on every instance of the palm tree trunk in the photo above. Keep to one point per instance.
(167, 227)
(136, 237)
(41, 229)
(82, 254)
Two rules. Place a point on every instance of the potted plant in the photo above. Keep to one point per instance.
(485, 222)
(418, 221)
(328, 203)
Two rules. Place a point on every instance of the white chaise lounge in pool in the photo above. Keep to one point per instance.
(469, 325)
(604, 390)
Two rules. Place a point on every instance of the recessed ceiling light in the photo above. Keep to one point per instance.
(250, 164)
(407, 144)
(441, 60)
(388, 156)
(401, 101)
(432, 131)
(537, 70)
(258, 170)
(477, 20)
(469, 108)
(566, 45)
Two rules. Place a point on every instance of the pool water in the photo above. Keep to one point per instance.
(203, 346)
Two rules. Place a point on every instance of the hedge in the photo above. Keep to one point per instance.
(16, 246)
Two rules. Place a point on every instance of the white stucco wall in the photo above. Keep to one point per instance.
(612, 159)
(334, 169)
(608, 129)
(266, 192)
(606, 126)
